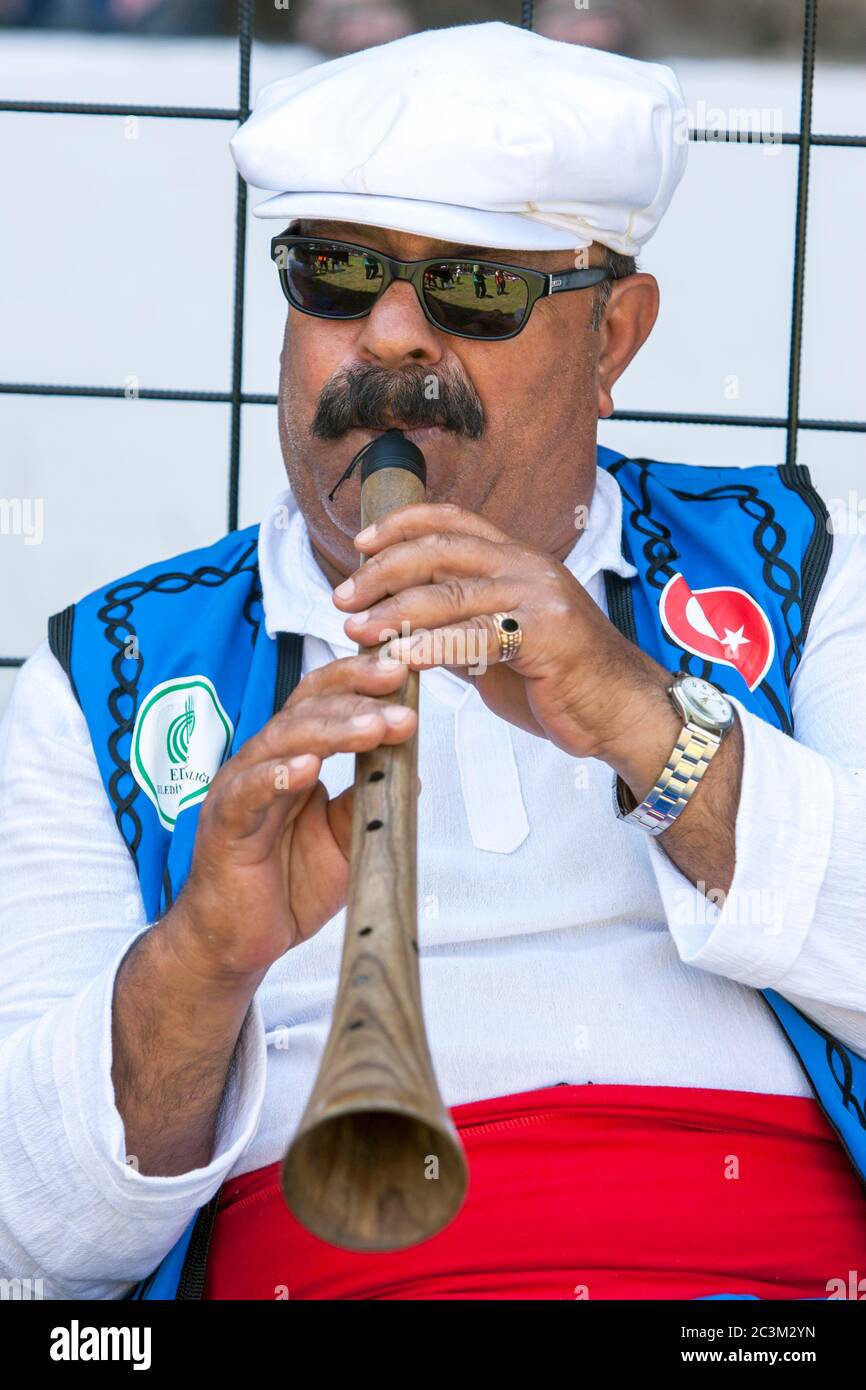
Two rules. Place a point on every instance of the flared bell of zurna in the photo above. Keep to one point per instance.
(376, 1163)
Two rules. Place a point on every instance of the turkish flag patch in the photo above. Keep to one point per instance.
(722, 624)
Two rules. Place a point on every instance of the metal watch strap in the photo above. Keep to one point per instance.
(691, 756)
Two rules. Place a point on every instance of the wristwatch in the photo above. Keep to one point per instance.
(708, 715)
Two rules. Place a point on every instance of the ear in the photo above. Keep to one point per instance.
(626, 324)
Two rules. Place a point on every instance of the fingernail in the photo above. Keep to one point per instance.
(366, 535)
(364, 721)
(358, 617)
(302, 762)
(346, 589)
(388, 662)
(395, 714)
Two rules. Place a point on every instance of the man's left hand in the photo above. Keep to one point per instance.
(575, 680)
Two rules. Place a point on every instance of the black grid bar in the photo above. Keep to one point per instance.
(773, 422)
(245, 38)
(94, 108)
(749, 137)
(231, 113)
(804, 139)
(810, 28)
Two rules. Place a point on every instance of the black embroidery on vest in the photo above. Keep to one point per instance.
(658, 549)
(167, 890)
(768, 538)
(253, 611)
(117, 613)
(840, 1068)
(660, 555)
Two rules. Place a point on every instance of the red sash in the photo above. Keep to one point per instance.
(634, 1192)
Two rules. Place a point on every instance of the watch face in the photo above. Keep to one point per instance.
(708, 702)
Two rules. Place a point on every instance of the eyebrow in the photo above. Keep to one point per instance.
(485, 253)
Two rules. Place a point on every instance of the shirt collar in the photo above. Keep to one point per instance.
(296, 594)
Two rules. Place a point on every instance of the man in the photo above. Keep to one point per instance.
(177, 764)
(334, 27)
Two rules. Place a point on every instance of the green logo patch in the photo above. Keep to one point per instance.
(181, 737)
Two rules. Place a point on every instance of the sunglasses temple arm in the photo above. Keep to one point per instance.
(577, 279)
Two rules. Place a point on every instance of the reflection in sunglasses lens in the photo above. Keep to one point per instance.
(476, 297)
(332, 279)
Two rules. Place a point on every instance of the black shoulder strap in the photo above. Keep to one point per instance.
(290, 646)
(191, 1283)
(60, 641)
(620, 607)
(820, 548)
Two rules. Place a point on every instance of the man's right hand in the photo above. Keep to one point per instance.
(271, 858)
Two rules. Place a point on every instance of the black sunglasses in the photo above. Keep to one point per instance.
(470, 298)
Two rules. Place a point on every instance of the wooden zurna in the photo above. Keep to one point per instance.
(376, 1163)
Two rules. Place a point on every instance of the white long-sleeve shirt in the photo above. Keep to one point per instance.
(557, 944)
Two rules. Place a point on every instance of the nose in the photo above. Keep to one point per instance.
(396, 332)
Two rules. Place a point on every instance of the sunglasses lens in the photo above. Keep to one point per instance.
(333, 280)
(476, 298)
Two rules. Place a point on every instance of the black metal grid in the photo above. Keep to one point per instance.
(804, 138)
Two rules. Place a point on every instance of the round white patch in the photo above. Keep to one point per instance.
(180, 739)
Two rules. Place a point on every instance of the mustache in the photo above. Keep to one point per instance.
(369, 397)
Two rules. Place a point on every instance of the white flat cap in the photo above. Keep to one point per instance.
(482, 134)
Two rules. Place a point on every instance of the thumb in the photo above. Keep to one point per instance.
(339, 813)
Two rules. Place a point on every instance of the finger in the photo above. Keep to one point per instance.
(369, 673)
(286, 767)
(238, 808)
(430, 559)
(339, 813)
(404, 523)
(326, 724)
(434, 605)
(472, 646)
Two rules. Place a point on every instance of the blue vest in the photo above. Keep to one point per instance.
(173, 670)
